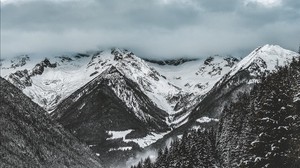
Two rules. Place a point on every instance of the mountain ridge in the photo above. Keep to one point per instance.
(191, 97)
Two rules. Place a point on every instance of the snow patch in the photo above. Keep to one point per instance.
(148, 140)
(206, 120)
(125, 148)
(118, 134)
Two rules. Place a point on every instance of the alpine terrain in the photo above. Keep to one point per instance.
(121, 105)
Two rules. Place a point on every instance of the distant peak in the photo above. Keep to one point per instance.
(174, 62)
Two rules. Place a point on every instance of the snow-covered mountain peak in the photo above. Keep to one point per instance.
(48, 81)
(265, 58)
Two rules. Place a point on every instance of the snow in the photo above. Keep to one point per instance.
(148, 140)
(206, 120)
(121, 148)
(54, 84)
(181, 120)
(190, 74)
(257, 159)
(179, 136)
(196, 127)
(272, 55)
(142, 142)
(118, 134)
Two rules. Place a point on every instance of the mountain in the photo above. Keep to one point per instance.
(30, 138)
(240, 79)
(195, 78)
(261, 129)
(119, 103)
(96, 115)
(49, 81)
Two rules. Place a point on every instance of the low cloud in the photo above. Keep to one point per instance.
(158, 29)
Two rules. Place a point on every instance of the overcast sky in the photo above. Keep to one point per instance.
(156, 29)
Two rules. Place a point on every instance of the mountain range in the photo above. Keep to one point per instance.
(118, 103)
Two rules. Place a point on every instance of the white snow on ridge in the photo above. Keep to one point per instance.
(194, 76)
(272, 55)
(54, 84)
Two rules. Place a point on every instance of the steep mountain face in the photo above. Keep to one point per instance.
(241, 78)
(261, 129)
(96, 114)
(100, 97)
(29, 138)
(195, 78)
(49, 81)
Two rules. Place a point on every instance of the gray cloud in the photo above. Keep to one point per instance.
(151, 28)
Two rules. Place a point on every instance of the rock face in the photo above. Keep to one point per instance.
(29, 138)
(173, 62)
(95, 109)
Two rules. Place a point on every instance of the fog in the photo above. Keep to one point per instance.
(156, 29)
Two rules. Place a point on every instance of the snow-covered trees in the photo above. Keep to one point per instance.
(195, 149)
(262, 129)
(277, 120)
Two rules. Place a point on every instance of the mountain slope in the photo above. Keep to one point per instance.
(49, 81)
(261, 129)
(29, 138)
(241, 78)
(196, 78)
(96, 114)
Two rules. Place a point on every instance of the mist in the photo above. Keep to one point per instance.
(155, 29)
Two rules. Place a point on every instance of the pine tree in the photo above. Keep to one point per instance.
(275, 129)
(147, 163)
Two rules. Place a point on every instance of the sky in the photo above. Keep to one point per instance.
(155, 29)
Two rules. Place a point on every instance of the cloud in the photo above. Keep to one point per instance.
(265, 3)
(156, 29)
